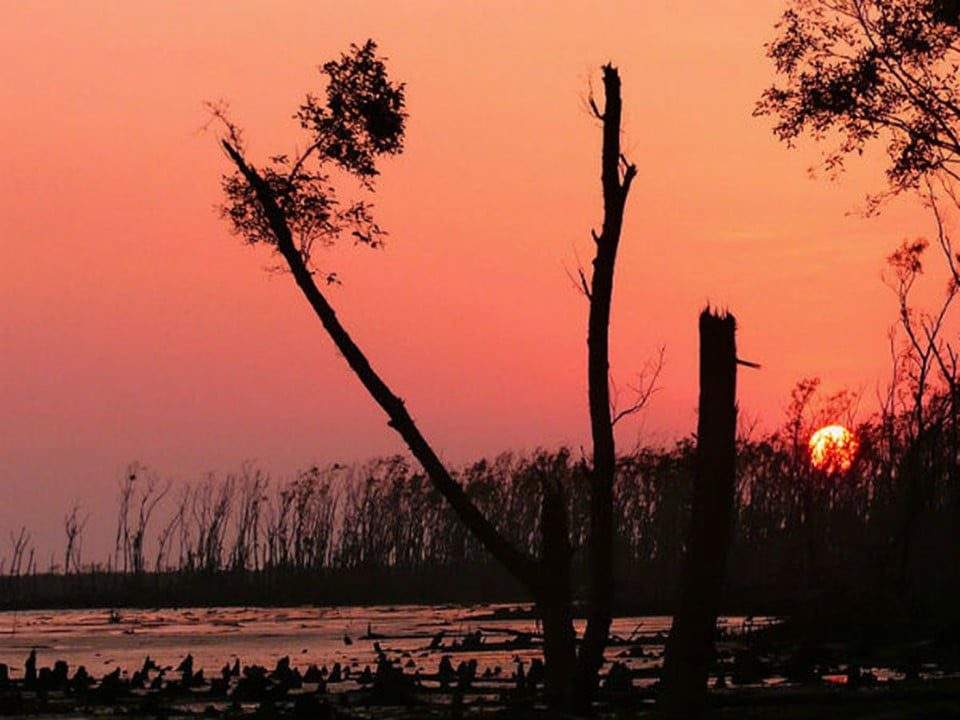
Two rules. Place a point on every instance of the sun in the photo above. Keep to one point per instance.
(833, 448)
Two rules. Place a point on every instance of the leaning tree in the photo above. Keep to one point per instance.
(292, 204)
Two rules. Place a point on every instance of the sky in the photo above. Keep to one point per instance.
(134, 327)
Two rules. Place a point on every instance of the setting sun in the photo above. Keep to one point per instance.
(832, 448)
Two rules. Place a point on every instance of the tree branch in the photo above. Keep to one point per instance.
(643, 389)
(518, 564)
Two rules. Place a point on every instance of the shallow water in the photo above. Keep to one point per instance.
(102, 639)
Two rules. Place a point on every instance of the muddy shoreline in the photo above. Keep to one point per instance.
(439, 661)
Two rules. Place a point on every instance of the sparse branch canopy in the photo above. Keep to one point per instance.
(360, 117)
(855, 71)
(642, 390)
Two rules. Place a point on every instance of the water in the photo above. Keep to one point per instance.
(102, 639)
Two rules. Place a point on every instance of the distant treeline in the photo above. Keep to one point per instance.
(888, 528)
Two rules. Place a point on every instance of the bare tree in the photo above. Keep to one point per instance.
(187, 561)
(211, 504)
(616, 176)
(20, 542)
(73, 527)
(246, 546)
(121, 545)
(925, 352)
(140, 490)
(290, 205)
(166, 534)
(151, 494)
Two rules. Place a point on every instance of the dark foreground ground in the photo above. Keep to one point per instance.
(926, 700)
(783, 671)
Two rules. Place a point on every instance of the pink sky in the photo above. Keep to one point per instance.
(134, 327)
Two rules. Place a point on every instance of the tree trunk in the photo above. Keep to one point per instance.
(547, 580)
(910, 524)
(690, 647)
(520, 566)
(554, 600)
(615, 190)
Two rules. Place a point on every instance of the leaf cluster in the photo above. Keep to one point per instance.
(360, 117)
(853, 71)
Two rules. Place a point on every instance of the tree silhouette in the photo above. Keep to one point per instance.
(859, 71)
(292, 205)
(617, 174)
(690, 647)
(73, 527)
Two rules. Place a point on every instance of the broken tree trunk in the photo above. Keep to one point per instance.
(554, 602)
(690, 647)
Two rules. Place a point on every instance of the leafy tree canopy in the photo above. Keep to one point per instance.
(360, 117)
(855, 71)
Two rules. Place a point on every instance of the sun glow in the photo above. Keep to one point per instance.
(833, 448)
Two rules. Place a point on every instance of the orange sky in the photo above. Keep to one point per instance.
(133, 326)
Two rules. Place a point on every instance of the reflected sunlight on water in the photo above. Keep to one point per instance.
(103, 639)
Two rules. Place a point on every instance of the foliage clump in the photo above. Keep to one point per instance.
(359, 117)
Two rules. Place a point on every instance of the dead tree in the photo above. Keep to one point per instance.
(616, 176)
(690, 647)
(246, 545)
(21, 543)
(554, 603)
(121, 546)
(181, 521)
(73, 526)
(152, 493)
(141, 490)
(924, 352)
(165, 536)
(210, 510)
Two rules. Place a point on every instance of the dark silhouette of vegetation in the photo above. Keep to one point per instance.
(292, 205)
(433, 687)
(820, 546)
(141, 491)
(753, 524)
(617, 174)
(21, 543)
(73, 526)
(804, 541)
(859, 72)
(689, 649)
